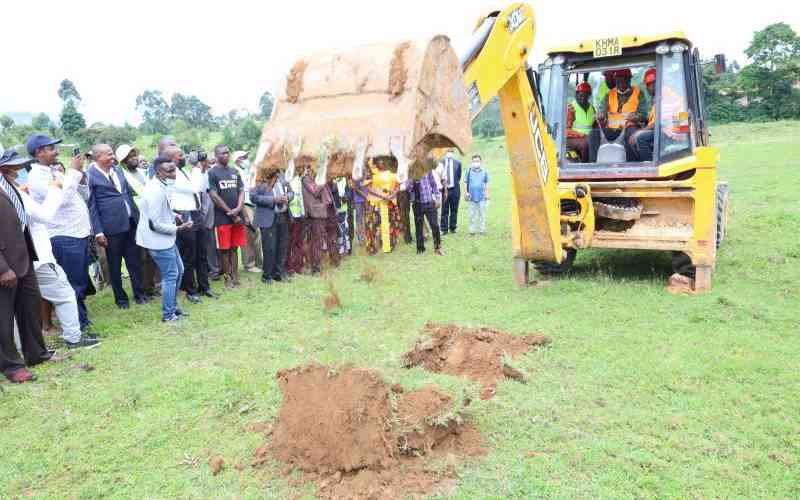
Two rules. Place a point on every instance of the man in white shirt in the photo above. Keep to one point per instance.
(70, 231)
(186, 203)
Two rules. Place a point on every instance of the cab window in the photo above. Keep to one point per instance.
(674, 137)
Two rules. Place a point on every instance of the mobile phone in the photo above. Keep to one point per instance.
(76, 152)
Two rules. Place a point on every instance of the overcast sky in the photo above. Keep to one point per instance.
(228, 52)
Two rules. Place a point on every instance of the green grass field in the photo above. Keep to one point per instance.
(641, 394)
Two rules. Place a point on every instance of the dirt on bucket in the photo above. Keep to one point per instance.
(358, 437)
(480, 354)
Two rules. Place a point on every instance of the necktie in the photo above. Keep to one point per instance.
(16, 200)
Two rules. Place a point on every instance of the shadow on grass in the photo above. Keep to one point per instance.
(631, 265)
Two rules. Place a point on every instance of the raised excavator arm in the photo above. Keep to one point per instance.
(496, 65)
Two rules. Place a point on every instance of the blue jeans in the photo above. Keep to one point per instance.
(72, 254)
(171, 267)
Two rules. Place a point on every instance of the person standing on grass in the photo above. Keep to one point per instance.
(227, 189)
(185, 201)
(200, 168)
(19, 291)
(425, 198)
(114, 217)
(451, 173)
(136, 175)
(272, 198)
(53, 284)
(69, 232)
(477, 187)
(251, 253)
(157, 232)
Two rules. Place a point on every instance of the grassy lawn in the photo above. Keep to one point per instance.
(641, 394)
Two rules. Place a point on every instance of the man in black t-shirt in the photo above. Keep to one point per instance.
(226, 189)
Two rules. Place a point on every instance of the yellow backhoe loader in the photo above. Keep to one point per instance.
(641, 181)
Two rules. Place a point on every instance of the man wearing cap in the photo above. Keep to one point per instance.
(580, 120)
(114, 216)
(19, 290)
(136, 175)
(623, 109)
(70, 231)
(252, 256)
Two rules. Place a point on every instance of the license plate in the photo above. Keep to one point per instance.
(607, 47)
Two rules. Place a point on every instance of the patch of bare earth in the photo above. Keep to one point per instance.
(358, 437)
(480, 354)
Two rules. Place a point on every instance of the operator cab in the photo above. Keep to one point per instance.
(641, 111)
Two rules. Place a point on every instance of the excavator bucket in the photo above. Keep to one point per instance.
(408, 92)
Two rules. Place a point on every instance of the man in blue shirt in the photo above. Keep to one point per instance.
(477, 187)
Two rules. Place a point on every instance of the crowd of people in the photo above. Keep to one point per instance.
(178, 223)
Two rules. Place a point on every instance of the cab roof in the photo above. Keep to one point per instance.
(628, 42)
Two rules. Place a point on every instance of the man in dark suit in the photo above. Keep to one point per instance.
(272, 199)
(451, 180)
(19, 290)
(114, 217)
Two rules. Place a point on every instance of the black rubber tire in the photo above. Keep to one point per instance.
(555, 269)
(723, 198)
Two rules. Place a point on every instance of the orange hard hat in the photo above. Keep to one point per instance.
(650, 76)
(584, 87)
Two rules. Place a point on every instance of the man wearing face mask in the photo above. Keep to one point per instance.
(186, 203)
(157, 231)
(451, 184)
(136, 175)
(477, 186)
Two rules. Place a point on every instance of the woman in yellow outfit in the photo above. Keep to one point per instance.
(381, 212)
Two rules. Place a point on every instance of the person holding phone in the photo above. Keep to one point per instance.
(69, 232)
(157, 231)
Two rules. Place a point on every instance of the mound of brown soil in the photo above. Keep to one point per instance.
(480, 354)
(358, 437)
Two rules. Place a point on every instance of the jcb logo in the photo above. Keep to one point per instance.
(515, 20)
(538, 141)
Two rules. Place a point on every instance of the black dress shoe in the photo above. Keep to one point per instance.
(209, 294)
(194, 299)
(141, 301)
(124, 305)
(266, 280)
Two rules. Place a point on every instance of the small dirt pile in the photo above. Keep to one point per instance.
(358, 437)
(481, 354)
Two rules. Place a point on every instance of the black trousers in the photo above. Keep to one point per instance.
(450, 210)
(274, 246)
(193, 245)
(123, 246)
(422, 211)
(595, 141)
(22, 302)
(404, 204)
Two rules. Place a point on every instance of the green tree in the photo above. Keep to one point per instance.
(266, 104)
(68, 92)
(155, 112)
(191, 110)
(244, 135)
(6, 122)
(42, 122)
(769, 81)
(71, 119)
(100, 133)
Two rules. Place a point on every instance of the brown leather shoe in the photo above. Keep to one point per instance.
(21, 376)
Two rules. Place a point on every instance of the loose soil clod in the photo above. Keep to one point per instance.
(216, 465)
(480, 354)
(360, 437)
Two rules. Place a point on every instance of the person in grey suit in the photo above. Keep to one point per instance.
(157, 231)
(272, 198)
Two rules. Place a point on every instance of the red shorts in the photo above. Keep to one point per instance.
(231, 236)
